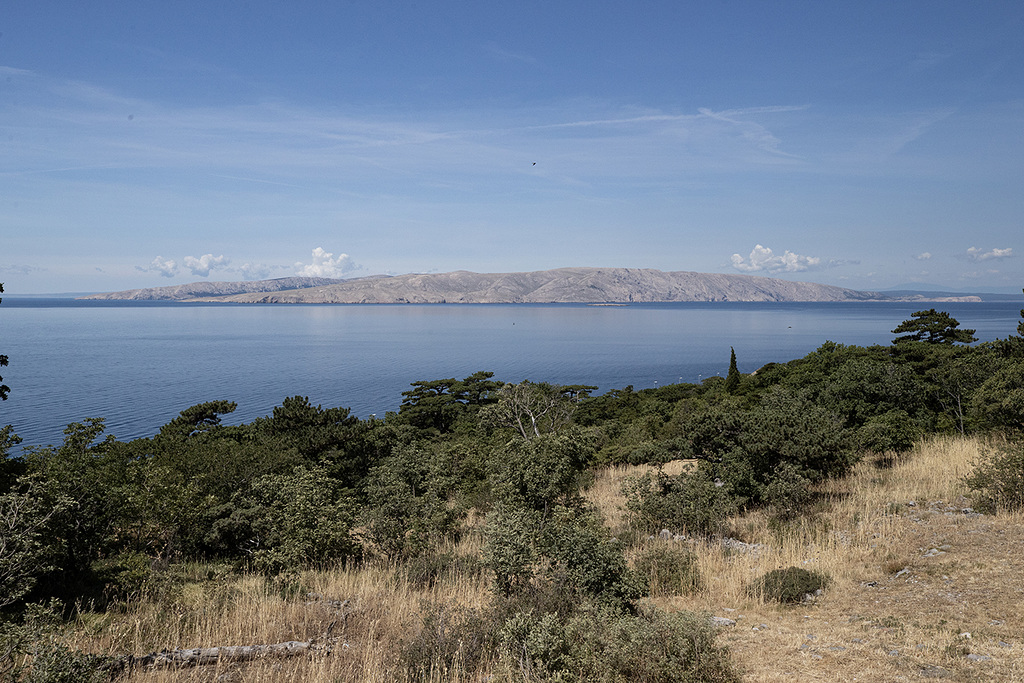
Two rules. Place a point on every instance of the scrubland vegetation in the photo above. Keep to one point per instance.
(817, 519)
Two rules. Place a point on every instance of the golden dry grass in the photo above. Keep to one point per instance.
(382, 611)
(910, 573)
(894, 610)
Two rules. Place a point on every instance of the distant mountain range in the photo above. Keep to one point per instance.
(561, 285)
(214, 289)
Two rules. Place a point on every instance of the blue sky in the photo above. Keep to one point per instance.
(864, 144)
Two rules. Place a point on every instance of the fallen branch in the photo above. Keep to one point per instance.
(202, 656)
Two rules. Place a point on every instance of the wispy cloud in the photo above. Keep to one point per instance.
(915, 128)
(977, 254)
(754, 132)
(259, 271)
(923, 256)
(924, 61)
(20, 269)
(508, 55)
(58, 126)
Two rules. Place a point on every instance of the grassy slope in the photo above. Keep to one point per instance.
(895, 609)
(893, 612)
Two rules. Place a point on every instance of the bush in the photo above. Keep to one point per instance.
(300, 520)
(571, 551)
(449, 639)
(31, 651)
(787, 492)
(28, 549)
(789, 585)
(690, 502)
(55, 662)
(999, 401)
(894, 431)
(650, 647)
(669, 571)
(998, 478)
(581, 555)
(510, 547)
(128, 573)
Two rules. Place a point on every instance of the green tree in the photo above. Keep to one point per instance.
(411, 498)
(438, 404)
(10, 468)
(4, 389)
(933, 327)
(84, 478)
(732, 380)
(535, 408)
(537, 473)
(302, 519)
(290, 521)
(26, 548)
(1020, 325)
(999, 401)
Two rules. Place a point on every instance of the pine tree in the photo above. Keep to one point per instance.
(1020, 325)
(732, 380)
(4, 389)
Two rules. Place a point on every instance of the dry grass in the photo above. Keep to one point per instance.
(894, 610)
(383, 611)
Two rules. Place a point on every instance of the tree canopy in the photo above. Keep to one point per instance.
(4, 389)
(933, 327)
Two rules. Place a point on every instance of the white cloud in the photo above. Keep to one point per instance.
(20, 269)
(923, 256)
(325, 265)
(202, 266)
(165, 267)
(976, 254)
(763, 259)
(256, 271)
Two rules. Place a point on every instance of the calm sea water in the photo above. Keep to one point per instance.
(138, 364)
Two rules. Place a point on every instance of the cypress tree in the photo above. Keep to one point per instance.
(732, 380)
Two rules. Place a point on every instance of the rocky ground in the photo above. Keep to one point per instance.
(949, 606)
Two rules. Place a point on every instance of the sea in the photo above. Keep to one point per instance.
(138, 364)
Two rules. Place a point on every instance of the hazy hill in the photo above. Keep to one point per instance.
(214, 289)
(562, 285)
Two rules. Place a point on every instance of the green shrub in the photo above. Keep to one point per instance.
(55, 662)
(510, 547)
(299, 520)
(580, 554)
(599, 646)
(570, 550)
(669, 571)
(789, 585)
(998, 478)
(999, 401)
(690, 502)
(32, 652)
(787, 492)
(894, 431)
(127, 574)
(449, 639)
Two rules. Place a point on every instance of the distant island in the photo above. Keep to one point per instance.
(561, 285)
